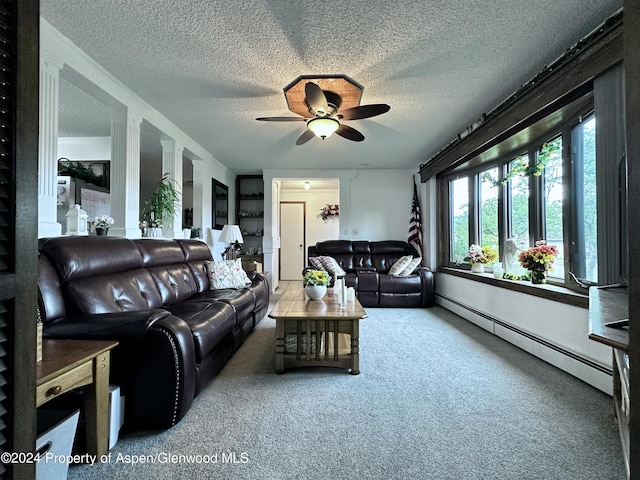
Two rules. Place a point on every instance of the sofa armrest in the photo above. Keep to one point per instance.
(121, 326)
(428, 285)
(153, 363)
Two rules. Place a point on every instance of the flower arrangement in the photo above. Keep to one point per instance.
(539, 258)
(103, 221)
(329, 211)
(316, 277)
(484, 255)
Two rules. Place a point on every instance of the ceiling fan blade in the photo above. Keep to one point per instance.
(305, 137)
(315, 98)
(349, 133)
(364, 111)
(281, 119)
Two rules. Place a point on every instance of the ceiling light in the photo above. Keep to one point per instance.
(307, 185)
(323, 127)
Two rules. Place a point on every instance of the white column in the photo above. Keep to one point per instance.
(172, 165)
(125, 173)
(48, 149)
(198, 195)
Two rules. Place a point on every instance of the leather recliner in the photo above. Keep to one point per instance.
(367, 266)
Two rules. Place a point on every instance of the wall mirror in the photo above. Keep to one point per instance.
(220, 204)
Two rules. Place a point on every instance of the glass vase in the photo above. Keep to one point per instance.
(538, 277)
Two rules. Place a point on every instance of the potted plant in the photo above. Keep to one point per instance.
(160, 209)
(315, 283)
(538, 260)
(101, 224)
(479, 256)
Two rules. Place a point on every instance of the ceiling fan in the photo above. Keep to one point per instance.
(325, 116)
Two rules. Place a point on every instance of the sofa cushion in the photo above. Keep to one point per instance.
(196, 253)
(400, 264)
(243, 301)
(226, 274)
(159, 251)
(115, 292)
(400, 285)
(209, 323)
(174, 282)
(75, 257)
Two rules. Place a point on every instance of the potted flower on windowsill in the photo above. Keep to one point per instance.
(479, 256)
(315, 283)
(101, 224)
(538, 260)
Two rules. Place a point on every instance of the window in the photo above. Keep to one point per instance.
(459, 195)
(547, 191)
(489, 211)
(550, 155)
(583, 155)
(518, 203)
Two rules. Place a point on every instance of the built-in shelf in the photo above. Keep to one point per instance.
(250, 211)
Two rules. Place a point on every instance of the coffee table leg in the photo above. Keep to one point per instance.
(355, 347)
(279, 345)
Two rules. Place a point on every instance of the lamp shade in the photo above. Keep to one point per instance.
(231, 234)
(323, 127)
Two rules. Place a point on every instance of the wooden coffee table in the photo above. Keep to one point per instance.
(308, 332)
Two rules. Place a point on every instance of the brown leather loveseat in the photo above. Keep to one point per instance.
(153, 296)
(367, 266)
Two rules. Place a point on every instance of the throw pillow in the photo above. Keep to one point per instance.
(316, 262)
(226, 274)
(413, 264)
(332, 266)
(400, 264)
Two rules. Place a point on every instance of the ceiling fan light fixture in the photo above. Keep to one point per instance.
(323, 127)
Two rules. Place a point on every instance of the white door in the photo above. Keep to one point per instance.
(292, 244)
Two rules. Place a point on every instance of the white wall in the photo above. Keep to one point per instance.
(559, 324)
(380, 205)
(316, 230)
(84, 148)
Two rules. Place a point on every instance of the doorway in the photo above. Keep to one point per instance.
(292, 240)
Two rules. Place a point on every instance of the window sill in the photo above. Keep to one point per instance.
(548, 292)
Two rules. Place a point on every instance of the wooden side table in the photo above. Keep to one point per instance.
(69, 364)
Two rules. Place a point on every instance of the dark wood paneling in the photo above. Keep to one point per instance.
(19, 185)
(632, 99)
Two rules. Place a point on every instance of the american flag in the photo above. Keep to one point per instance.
(415, 224)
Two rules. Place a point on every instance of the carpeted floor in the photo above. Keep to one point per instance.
(438, 398)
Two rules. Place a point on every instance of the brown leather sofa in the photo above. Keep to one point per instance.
(367, 267)
(153, 296)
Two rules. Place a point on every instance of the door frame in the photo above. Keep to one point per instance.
(304, 233)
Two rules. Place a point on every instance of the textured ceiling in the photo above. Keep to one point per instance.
(212, 67)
